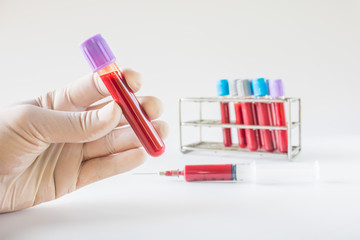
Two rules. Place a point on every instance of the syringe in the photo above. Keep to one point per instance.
(217, 172)
(286, 172)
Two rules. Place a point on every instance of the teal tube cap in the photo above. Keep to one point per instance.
(259, 87)
(222, 87)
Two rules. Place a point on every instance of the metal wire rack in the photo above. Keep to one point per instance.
(293, 126)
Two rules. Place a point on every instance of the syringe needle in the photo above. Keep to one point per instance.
(165, 173)
(145, 173)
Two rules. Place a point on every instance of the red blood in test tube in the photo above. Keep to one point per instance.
(272, 117)
(259, 138)
(223, 91)
(276, 89)
(134, 113)
(225, 118)
(238, 114)
(264, 120)
(239, 120)
(260, 90)
(102, 61)
(280, 121)
(244, 90)
(248, 116)
(209, 172)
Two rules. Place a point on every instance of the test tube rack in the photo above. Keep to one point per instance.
(293, 125)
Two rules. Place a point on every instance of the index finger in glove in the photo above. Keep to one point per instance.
(85, 91)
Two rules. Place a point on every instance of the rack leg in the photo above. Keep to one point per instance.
(299, 101)
(200, 118)
(289, 125)
(180, 127)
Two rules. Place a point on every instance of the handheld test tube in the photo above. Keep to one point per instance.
(102, 61)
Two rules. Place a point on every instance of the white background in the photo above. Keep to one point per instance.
(182, 48)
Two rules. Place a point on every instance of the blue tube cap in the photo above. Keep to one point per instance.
(260, 87)
(222, 87)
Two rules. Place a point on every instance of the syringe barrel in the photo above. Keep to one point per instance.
(220, 172)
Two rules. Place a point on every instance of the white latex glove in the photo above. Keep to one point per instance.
(59, 142)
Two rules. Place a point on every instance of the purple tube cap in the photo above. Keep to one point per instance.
(276, 88)
(97, 52)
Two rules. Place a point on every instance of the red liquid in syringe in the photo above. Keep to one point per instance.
(191, 173)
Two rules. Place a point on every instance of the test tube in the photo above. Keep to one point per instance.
(238, 114)
(223, 91)
(259, 139)
(273, 134)
(260, 90)
(247, 109)
(102, 61)
(276, 89)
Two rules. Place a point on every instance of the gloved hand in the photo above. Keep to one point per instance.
(59, 142)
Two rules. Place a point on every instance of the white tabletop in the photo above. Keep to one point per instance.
(154, 207)
(182, 48)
